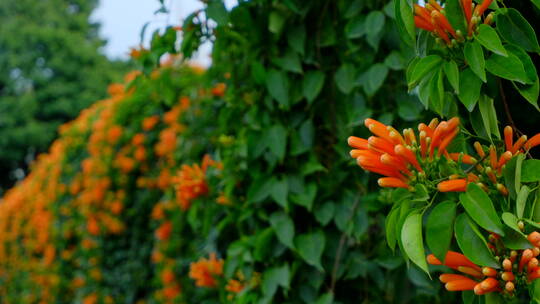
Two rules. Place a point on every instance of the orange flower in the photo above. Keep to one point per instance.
(219, 89)
(172, 292)
(205, 271)
(167, 276)
(454, 185)
(150, 122)
(164, 231)
(92, 226)
(234, 286)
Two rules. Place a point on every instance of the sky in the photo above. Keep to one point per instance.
(122, 21)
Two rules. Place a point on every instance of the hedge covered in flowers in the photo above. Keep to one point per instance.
(235, 184)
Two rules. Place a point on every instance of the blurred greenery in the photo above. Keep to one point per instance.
(51, 67)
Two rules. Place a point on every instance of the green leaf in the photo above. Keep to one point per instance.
(276, 22)
(390, 227)
(411, 237)
(489, 118)
(515, 240)
(279, 192)
(325, 212)
(470, 86)
(471, 245)
(511, 221)
(509, 173)
(455, 16)
(310, 247)
(422, 68)
(345, 78)
(296, 39)
(274, 277)
(474, 54)
(263, 240)
(509, 67)
(440, 228)
(283, 227)
(289, 62)
(488, 37)
(521, 200)
(452, 74)
(405, 21)
(436, 92)
(327, 298)
(277, 140)
(312, 85)
(480, 208)
(216, 10)
(307, 197)
(529, 92)
(277, 84)
(534, 287)
(537, 3)
(374, 78)
(374, 23)
(517, 178)
(355, 27)
(530, 171)
(516, 30)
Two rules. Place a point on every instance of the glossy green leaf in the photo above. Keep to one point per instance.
(325, 212)
(422, 68)
(530, 171)
(216, 10)
(278, 86)
(454, 14)
(283, 227)
(413, 244)
(274, 277)
(296, 38)
(405, 21)
(511, 221)
(307, 196)
(515, 240)
(529, 92)
(516, 30)
(480, 208)
(488, 37)
(489, 118)
(374, 23)
(327, 298)
(374, 78)
(470, 86)
(312, 84)
(509, 67)
(452, 74)
(390, 227)
(474, 55)
(440, 228)
(471, 244)
(310, 246)
(521, 200)
(279, 192)
(277, 140)
(436, 92)
(345, 78)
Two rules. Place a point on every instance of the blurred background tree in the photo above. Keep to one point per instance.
(51, 67)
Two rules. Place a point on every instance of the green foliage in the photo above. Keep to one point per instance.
(51, 69)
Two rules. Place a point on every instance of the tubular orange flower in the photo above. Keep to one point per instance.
(443, 23)
(205, 270)
(467, 9)
(449, 277)
(526, 256)
(460, 285)
(234, 286)
(420, 22)
(508, 137)
(465, 158)
(480, 9)
(392, 182)
(519, 143)
(533, 142)
(455, 185)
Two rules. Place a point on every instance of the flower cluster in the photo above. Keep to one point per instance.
(518, 267)
(402, 157)
(489, 166)
(432, 18)
(205, 271)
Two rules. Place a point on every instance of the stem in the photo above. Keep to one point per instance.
(506, 108)
(340, 248)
